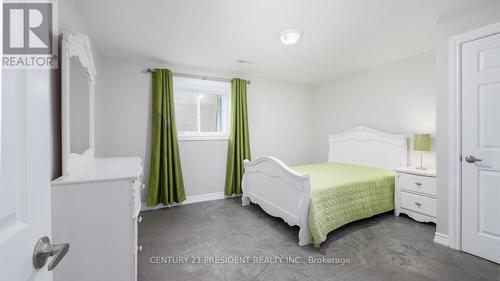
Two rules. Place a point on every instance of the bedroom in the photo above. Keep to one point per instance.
(354, 116)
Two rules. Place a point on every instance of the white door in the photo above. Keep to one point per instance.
(481, 147)
(24, 172)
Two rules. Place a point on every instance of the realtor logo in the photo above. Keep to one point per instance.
(28, 35)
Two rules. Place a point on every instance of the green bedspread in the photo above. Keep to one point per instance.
(342, 193)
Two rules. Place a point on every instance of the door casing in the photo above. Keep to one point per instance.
(455, 130)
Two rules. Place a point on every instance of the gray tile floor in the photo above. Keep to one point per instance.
(380, 248)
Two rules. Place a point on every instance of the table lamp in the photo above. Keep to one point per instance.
(421, 142)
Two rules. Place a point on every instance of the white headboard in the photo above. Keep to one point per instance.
(368, 147)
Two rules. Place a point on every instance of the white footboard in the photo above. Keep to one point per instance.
(279, 191)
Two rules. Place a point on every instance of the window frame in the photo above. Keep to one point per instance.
(205, 87)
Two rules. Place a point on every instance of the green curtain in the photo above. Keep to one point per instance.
(165, 179)
(239, 145)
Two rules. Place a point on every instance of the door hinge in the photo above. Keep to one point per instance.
(460, 157)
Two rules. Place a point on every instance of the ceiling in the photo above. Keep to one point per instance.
(339, 36)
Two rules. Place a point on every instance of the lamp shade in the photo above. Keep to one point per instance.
(422, 142)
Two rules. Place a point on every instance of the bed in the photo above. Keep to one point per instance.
(357, 182)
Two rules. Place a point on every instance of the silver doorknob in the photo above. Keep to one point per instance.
(44, 249)
(472, 159)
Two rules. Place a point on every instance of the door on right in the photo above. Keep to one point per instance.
(481, 147)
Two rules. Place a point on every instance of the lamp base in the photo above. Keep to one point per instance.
(421, 167)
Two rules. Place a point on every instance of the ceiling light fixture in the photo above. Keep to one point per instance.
(289, 36)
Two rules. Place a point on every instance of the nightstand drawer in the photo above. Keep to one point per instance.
(418, 203)
(420, 184)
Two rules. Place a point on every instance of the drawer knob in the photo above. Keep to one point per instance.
(139, 219)
(139, 248)
(418, 184)
(418, 204)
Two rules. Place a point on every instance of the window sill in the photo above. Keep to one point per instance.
(203, 138)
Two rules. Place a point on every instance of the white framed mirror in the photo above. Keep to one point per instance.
(78, 75)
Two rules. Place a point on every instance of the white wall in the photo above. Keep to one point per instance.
(280, 118)
(395, 98)
(447, 28)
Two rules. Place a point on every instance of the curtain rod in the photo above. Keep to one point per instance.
(185, 75)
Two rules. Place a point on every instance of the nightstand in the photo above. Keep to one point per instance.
(416, 194)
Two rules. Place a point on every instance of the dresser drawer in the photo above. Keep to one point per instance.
(134, 248)
(134, 267)
(418, 203)
(422, 184)
(136, 197)
(135, 234)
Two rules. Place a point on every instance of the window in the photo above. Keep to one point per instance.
(202, 108)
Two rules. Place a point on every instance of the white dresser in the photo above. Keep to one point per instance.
(416, 194)
(95, 209)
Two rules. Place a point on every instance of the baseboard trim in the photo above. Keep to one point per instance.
(189, 200)
(204, 197)
(442, 239)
